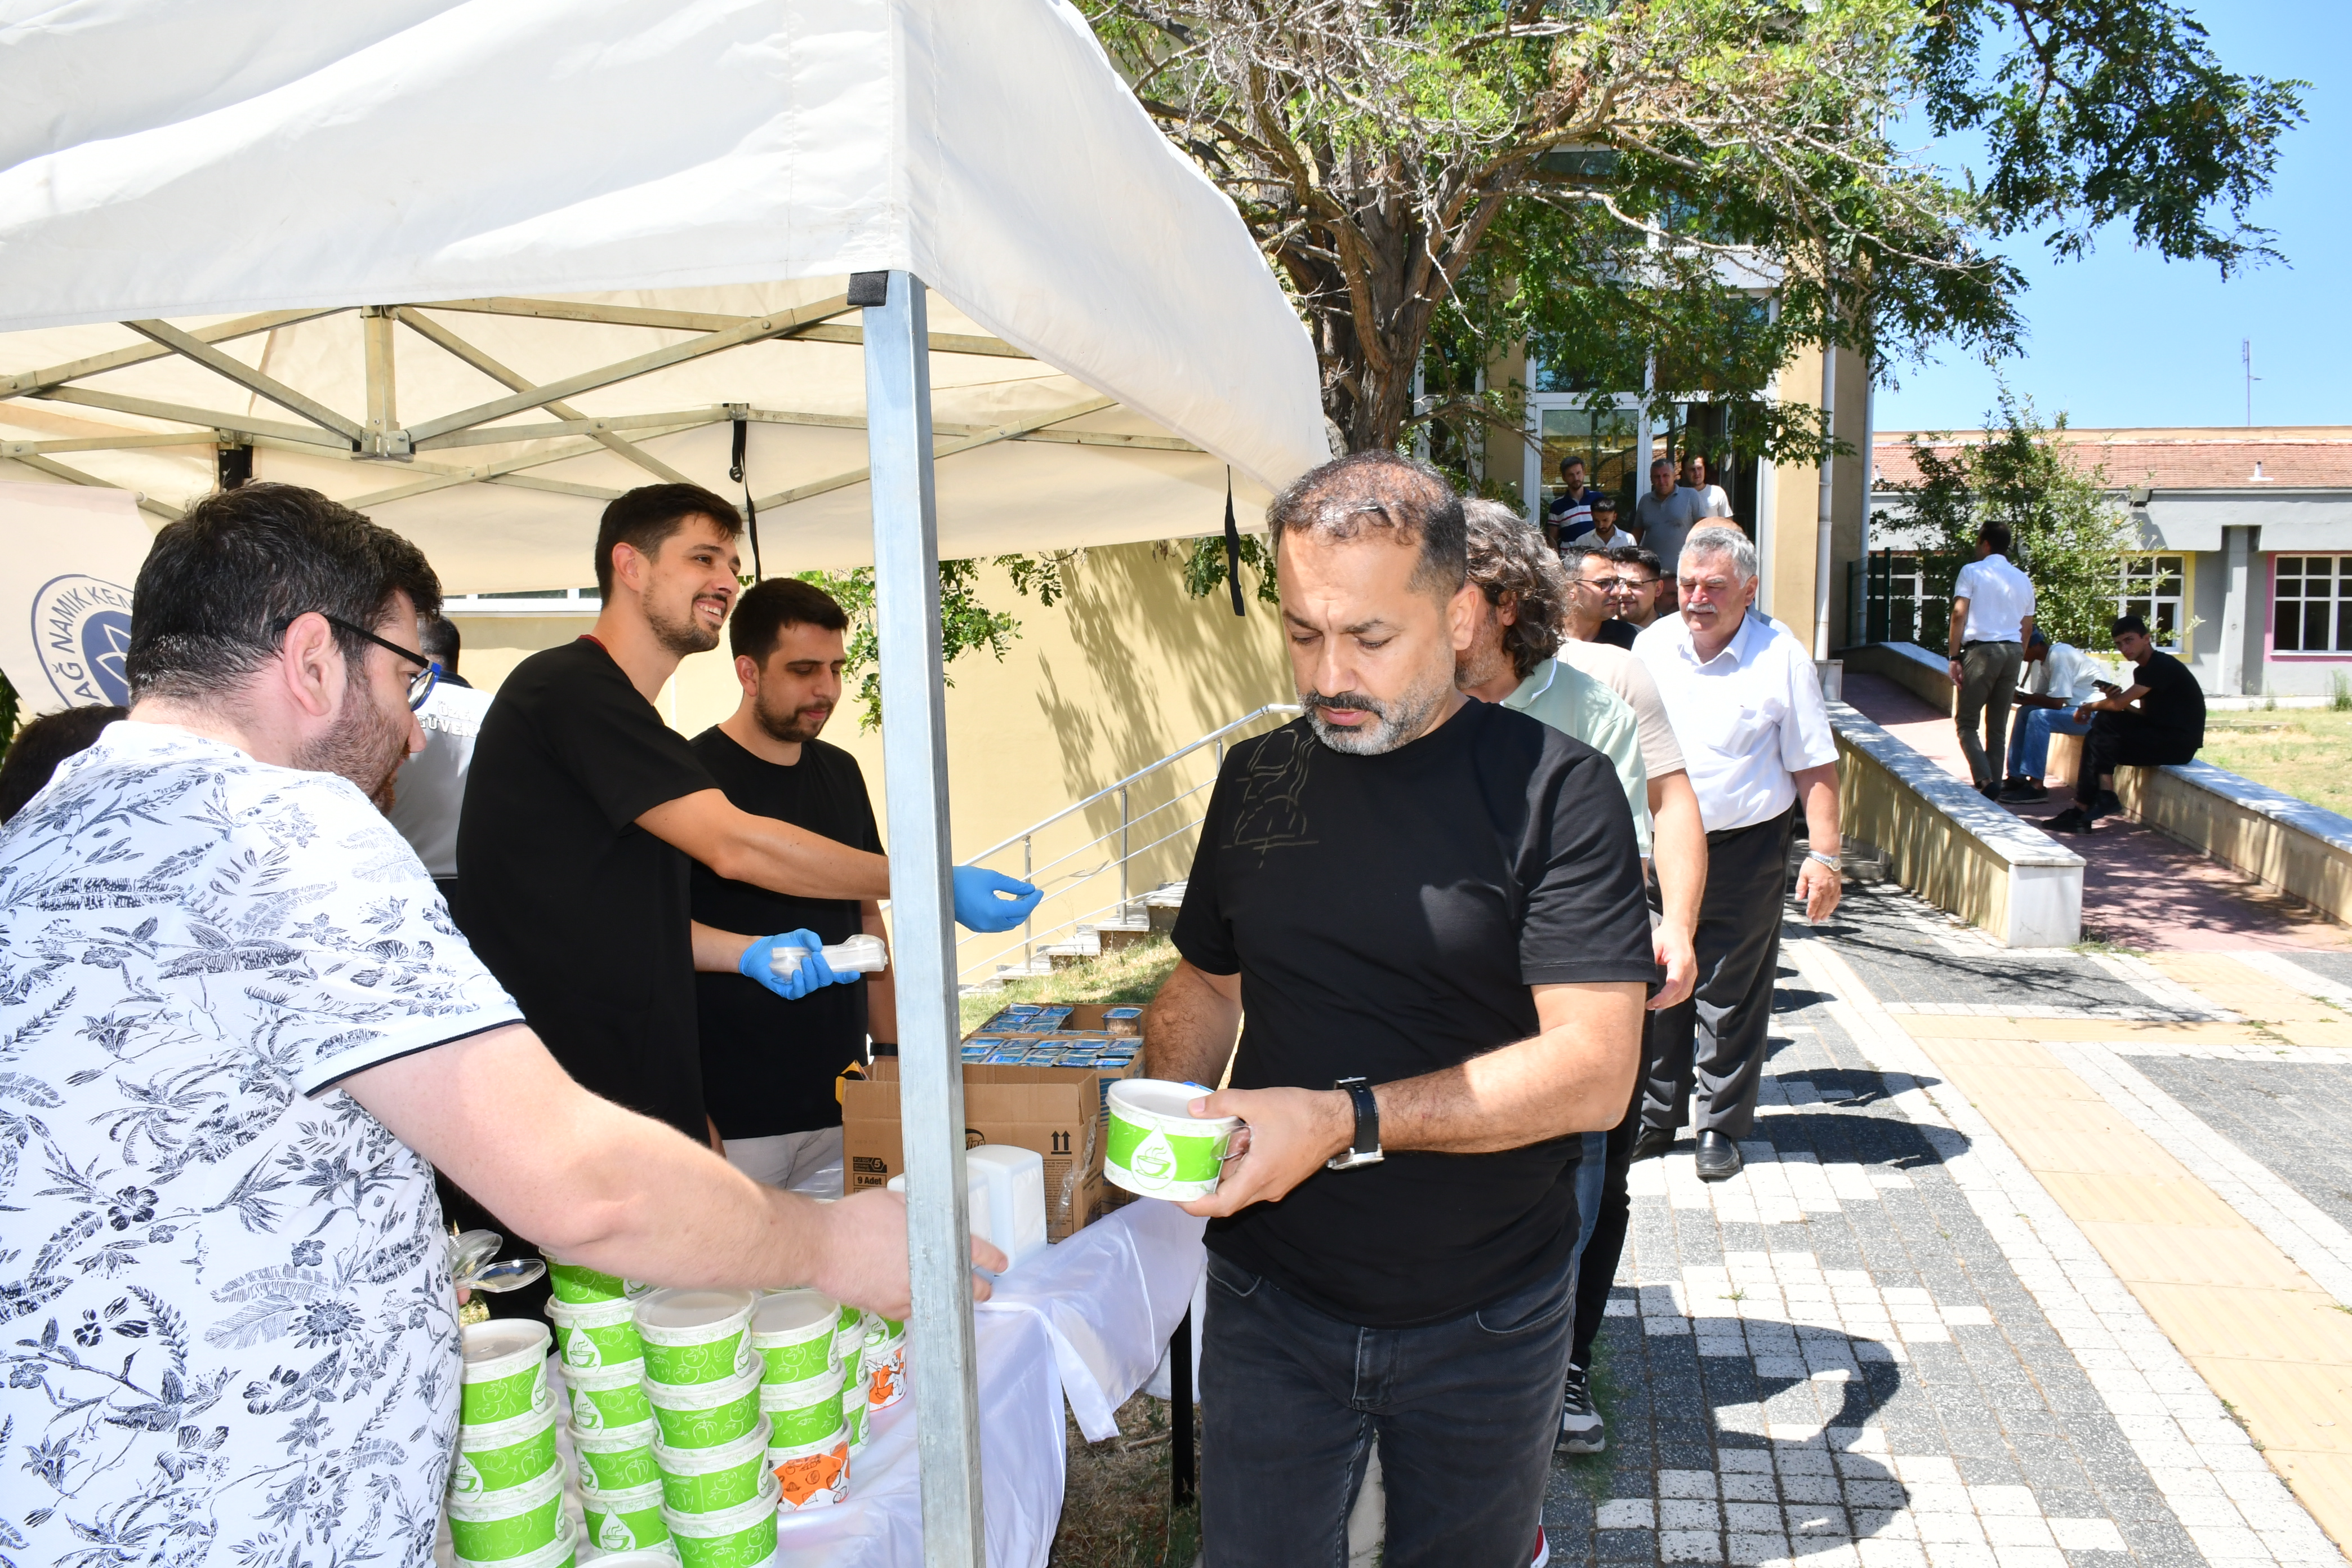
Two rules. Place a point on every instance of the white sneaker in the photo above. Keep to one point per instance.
(1581, 1428)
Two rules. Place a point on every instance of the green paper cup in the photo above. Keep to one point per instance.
(505, 1372)
(495, 1455)
(849, 1336)
(603, 1396)
(712, 1481)
(886, 1364)
(811, 1475)
(824, 1387)
(795, 1333)
(696, 1336)
(853, 1419)
(625, 1520)
(602, 1333)
(704, 1414)
(796, 1425)
(561, 1552)
(579, 1285)
(739, 1538)
(1159, 1148)
(618, 1458)
(512, 1521)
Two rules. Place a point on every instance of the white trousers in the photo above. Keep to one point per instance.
(805, 1163)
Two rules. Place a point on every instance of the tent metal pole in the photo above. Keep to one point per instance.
(915, 768)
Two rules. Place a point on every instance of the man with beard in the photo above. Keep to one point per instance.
(1428, 911)
(253, 1033)
(769, 1064)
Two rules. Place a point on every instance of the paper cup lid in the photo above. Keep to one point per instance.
(590, 1314)
(508, 1502)
(682, 1462)
(692, 1317)
(1159, 1096)
(617, 1439)
(502, 1347)
(795, 1314)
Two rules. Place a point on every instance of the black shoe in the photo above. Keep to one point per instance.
(2107, 805)
(1718, 1157)
(1652, 1142)
(1990, 790)
(2073, 819)
(1581, 1428)
(2024, 790)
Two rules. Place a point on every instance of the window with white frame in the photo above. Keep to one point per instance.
(2311, 605)
(2155, 588)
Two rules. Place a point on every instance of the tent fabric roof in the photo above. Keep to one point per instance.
(555, 188)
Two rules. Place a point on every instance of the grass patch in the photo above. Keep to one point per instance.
(1115, 1502)
(2304, 752)
(1126, 974)
(1590, 1473)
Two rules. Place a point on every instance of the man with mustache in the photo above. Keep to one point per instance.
(769, 1064)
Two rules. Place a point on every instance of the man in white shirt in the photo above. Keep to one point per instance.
(1712, 500)
(1992, 615)
(429, 791)
(1747, 707)
(2059, 678)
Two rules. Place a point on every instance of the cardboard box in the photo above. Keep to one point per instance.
(1061, 1113)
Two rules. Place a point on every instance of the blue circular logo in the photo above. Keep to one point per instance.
(82, 627)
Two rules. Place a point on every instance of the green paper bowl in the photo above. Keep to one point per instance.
(513, 1521)
(624, 1520)
(801, 1424)
(563, 1551)
(826, 1385)
(704, 1414)
(604, 1397)
(505, 1372)
(696, 1336)
(795, 1333)
(739, 1538)
(618, 1458)
(712, 1481)
(1155, 1148)
(494, 1455)
(580, 1285)
(600, 1334)
(853, 1424)
(811, 1475)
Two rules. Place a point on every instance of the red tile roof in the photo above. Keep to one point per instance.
(2309, 456)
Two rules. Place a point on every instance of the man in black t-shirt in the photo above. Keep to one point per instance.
(2159, 721)
(769, 1064)
(1429, 910)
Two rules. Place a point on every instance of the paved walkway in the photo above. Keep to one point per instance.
(2036, 1262)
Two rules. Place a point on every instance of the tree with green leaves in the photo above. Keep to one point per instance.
(1437, 179)
(966, 625)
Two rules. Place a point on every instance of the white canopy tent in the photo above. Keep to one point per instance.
(246, 224)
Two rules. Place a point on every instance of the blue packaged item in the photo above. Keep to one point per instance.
(1110, 1013)
(1046, 1020)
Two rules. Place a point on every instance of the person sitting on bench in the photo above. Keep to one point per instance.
(2159, 721)
(2059, 678)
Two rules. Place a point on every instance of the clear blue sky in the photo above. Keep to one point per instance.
(2124, 338)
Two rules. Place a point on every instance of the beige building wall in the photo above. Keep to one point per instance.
(1792, 554)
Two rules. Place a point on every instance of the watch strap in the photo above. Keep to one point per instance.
(1365, 1149)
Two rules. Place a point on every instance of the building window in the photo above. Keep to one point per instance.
(2155, 588)
(2311, 605)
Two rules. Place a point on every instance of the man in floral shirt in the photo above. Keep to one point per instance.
(235, 1023)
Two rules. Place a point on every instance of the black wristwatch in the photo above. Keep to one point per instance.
(1366, 1149)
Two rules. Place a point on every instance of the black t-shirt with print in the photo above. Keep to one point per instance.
(581, 914)
(769, 1064)
(1387, 915)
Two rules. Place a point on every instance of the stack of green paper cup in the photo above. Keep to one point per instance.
(525, 1521)
(741, 1537)
(506, 1484)
(505, 1372)
(616, 1459)
(600, 1397)
(626, 1520)
(593, 1334)
(797, 1335)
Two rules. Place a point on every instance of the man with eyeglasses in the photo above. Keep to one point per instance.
(1591, 590)
(253, 1034)
(1641, 584)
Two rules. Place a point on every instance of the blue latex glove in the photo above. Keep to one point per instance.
(759, 963)
(977, 906)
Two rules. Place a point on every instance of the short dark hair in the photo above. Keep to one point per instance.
(437, 639)
(645, 517)
(1637, 555)
(1572, 457)
(220, 585)
(1408, 502)
(766, 608)
(2127, 623)
(1605, 501)
(1996, 534)
(1507, 555)
(41, 745)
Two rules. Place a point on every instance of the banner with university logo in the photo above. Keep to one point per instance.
(69, 556)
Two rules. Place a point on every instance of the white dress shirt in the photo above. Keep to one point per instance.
(1749, 719)
(2068, 673)
(1999, 598)
(1713, 501)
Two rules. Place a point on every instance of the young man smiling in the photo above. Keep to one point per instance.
(1428, 909)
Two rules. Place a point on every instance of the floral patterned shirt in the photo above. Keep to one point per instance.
(231, 1333)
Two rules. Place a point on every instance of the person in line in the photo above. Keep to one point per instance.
(1643, 586)
(1605, 534)
(1666, 513)
(1574, 512)
(2059, 678)
(37, 749)
(769, 1066)
(1712, 500)
(2157, 722)
(430, 792)
(1992, 617)
(251, 1051)
(1592, 589)
(1527, 615)
(1748, 709)
(1426, 911)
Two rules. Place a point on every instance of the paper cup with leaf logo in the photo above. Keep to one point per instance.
(712, 1481)
(811, 1475)
(852, 1417)
(697, 1336)
(617, 1458)
(802, 1421)
(600, 1334)
(491, 1527)
(739, 1538)
(796, 1334)
(1159, 1148)
(495, 1455)
(580, 1285)
(505, 1372)
(625, 1520)
(704, 1414)
(817, 1390)
(562, 1551)
(601, 1396)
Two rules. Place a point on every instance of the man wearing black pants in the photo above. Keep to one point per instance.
(1747, 707)
(2157, 722)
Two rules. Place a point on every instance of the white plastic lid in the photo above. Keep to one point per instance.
(690, 1309)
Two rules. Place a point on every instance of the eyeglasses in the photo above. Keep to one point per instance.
(420, 685)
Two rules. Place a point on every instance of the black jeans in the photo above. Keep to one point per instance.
(2126, 740)
(1292, 1402)
(1597, 1270)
